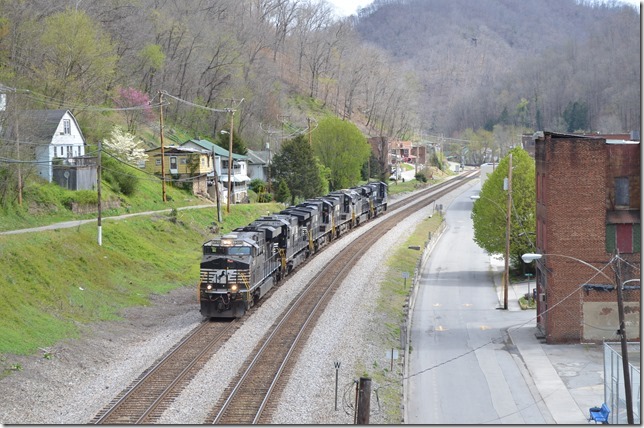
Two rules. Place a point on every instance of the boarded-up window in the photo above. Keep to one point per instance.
(623, 238)
(622, 194)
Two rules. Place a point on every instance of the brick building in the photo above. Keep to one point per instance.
(588, 210)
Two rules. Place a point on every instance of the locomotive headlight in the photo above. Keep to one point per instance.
(209, 287)
(233, 288)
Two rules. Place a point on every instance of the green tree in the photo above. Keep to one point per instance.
(223, 140)
(77, 61)
(297, 167)
(576, 116)
(341, 147)
(283, 194)
(489, 212)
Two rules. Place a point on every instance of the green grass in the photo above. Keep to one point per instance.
(393, 295)
(47, 203)
(54, 282)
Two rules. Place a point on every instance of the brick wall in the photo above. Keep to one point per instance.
(571, 216)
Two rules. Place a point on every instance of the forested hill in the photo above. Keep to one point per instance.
(401, 68)
(482, 62)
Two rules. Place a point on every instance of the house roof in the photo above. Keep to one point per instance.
(177, 150)
(257, 158)
(219, 151)
(39, 126)
(606, 137)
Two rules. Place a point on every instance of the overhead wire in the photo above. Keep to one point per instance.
(502, 338)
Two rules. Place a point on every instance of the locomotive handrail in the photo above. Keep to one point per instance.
(246, 283)
(282, 254)
(310, 235)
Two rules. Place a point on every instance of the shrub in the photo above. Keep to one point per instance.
(421, 177)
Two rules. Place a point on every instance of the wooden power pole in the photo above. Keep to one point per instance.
(364, 396)
(98, 183)
(162, 149)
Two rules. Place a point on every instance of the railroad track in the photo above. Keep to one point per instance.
(147, 397)
(250, 398)
(254, 393)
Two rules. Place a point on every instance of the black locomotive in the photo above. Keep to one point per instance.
(238, 269)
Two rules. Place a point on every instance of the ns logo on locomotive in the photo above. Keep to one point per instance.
(238, 269)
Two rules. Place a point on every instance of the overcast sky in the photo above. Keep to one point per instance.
(349, 7)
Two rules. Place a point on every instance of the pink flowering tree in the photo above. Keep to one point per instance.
(136, 105)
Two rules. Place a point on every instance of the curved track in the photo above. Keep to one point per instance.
(254, 392)
(251, 396)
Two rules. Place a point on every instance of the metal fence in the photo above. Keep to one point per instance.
(614, 386)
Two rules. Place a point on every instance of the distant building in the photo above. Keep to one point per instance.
(258, 162)
(588, 210)
(239, 179)
(181, 164)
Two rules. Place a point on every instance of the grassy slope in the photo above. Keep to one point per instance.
(57, 280)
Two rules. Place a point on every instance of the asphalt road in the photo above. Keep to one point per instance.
(463, 367)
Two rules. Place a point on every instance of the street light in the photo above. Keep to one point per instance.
(529, 257)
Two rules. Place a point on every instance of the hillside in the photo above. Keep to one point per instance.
(476, 60)
(400, 68)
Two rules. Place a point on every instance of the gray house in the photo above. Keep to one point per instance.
(258, 162)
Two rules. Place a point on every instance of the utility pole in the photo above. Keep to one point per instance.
(282, 119)
(622, 332)
(506, 279)
(230, 156)
(268, 170)
(216, 177)
(98, 182)
(16, 120)
(162, 149)
(364, 396)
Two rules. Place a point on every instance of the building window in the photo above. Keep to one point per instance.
(622, 194)
(67, 127)
(623, 238)
(158, 162)
(184, 161)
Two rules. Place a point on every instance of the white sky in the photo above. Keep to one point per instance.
(349, 7)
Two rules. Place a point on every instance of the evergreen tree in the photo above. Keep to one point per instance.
(282, 194)
(299, 169)
(223, 141)
(576, 116)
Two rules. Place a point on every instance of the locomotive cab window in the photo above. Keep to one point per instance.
(239, 251)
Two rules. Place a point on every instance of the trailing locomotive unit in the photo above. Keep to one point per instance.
(238, 269)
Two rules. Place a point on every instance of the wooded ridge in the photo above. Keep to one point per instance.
(399, 69)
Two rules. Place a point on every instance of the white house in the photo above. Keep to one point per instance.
(56, 136)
